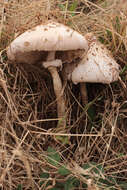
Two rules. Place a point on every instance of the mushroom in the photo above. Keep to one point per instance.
(30, 46)
(97, 66)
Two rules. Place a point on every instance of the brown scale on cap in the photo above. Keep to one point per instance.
(26, 43)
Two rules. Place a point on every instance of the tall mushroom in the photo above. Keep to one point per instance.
(97, 66)
(30, 46)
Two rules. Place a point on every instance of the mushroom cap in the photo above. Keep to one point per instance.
(97, 66)
(48, 37)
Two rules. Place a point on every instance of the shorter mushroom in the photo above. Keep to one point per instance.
(96, 66)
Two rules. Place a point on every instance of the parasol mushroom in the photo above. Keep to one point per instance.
(97, 66)
(30, 46)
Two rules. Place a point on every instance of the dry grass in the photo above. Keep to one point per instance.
(96, 133)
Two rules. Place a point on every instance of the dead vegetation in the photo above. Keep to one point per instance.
(32, 149)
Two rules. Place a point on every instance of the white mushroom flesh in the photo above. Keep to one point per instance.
(54, 63)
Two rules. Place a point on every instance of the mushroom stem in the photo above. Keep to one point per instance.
(84, 95)
(58, 89)
(51, 56)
